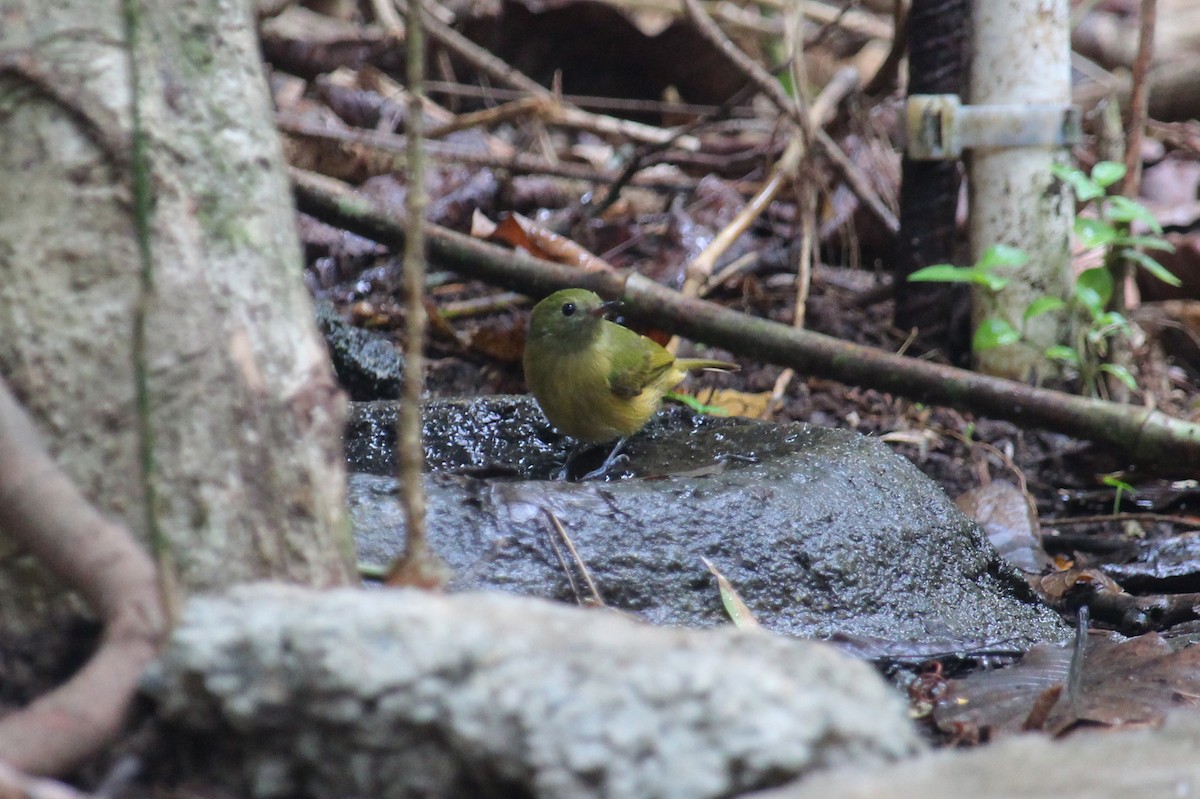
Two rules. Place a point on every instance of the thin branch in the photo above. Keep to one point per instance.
(394, 146)
(597, 600)
(620, 105)
(418, 565)
(1122, 518)
(143, 212)
(388, 19)
(1139, 99)
(887, 76)
(770, 88)
(412, 454)
(475, 55)
(489, 64)
(1143, 435)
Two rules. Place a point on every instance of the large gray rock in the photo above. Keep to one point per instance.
(398, 693)
(821, 531)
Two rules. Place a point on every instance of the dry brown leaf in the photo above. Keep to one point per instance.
(520, 232)
(1004, 513)
(1122, 682)
(736, 403)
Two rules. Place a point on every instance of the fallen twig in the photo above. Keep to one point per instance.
(1143, 435)
(553, 107)
(391, 148)
(770, 88)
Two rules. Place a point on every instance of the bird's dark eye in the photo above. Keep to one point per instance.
(568, 308)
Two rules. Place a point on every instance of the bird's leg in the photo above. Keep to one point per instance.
(614, 457)
(612, 460)
(565, 471)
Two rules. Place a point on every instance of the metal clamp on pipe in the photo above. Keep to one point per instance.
(940, 127)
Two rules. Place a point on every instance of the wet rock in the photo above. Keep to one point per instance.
(368, 365)
(822, 532)
(401, 693)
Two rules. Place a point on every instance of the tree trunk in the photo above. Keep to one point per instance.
(244, 457)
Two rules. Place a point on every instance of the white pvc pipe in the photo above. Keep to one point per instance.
(1021, 55)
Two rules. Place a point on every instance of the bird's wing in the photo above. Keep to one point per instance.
(637, 362)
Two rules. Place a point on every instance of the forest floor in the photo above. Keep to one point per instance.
(610, 170)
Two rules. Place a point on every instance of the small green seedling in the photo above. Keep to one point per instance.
(1092, 291)
(1122, 488)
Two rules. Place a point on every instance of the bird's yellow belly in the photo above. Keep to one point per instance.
(575, 396)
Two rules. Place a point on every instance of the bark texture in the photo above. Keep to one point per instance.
(246, 417)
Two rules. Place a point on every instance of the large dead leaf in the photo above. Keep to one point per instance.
(1009, 521)
(1132, 681)
(520, 232)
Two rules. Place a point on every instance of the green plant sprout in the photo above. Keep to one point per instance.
(696, 404)
(1121, 487)
(1115, 215)
(1092, 292)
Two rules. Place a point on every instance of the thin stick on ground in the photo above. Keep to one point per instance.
(583, 569)
(700, 270)
(1143, 435)
(562, 561)
(887, 77)
(854, 177)
(389, 149)
(388, 19)
(553, 107)
(808, 196)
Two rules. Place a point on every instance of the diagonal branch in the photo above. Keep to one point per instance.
(1142, 435)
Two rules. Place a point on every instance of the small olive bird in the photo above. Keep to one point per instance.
(596, 380)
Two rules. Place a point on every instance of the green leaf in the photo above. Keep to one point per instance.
(1150, 243)
(944, 273)
(1094, 232)
(1153, 267)
(1001, 255)
(1064, 171)
(1090, 300)
(994, 333)
(735, 606)
(1113, 321)
(1043, 305)
(1063, 354)
(1094, 288)
(1123, 209)
(1115, 482)
(1121, 373)
(1081, 185)
(1107, 173)
(992, 281)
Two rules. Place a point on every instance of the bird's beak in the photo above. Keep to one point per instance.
(608, 307)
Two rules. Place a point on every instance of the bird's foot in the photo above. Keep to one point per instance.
(603, 469)
(615, 457)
